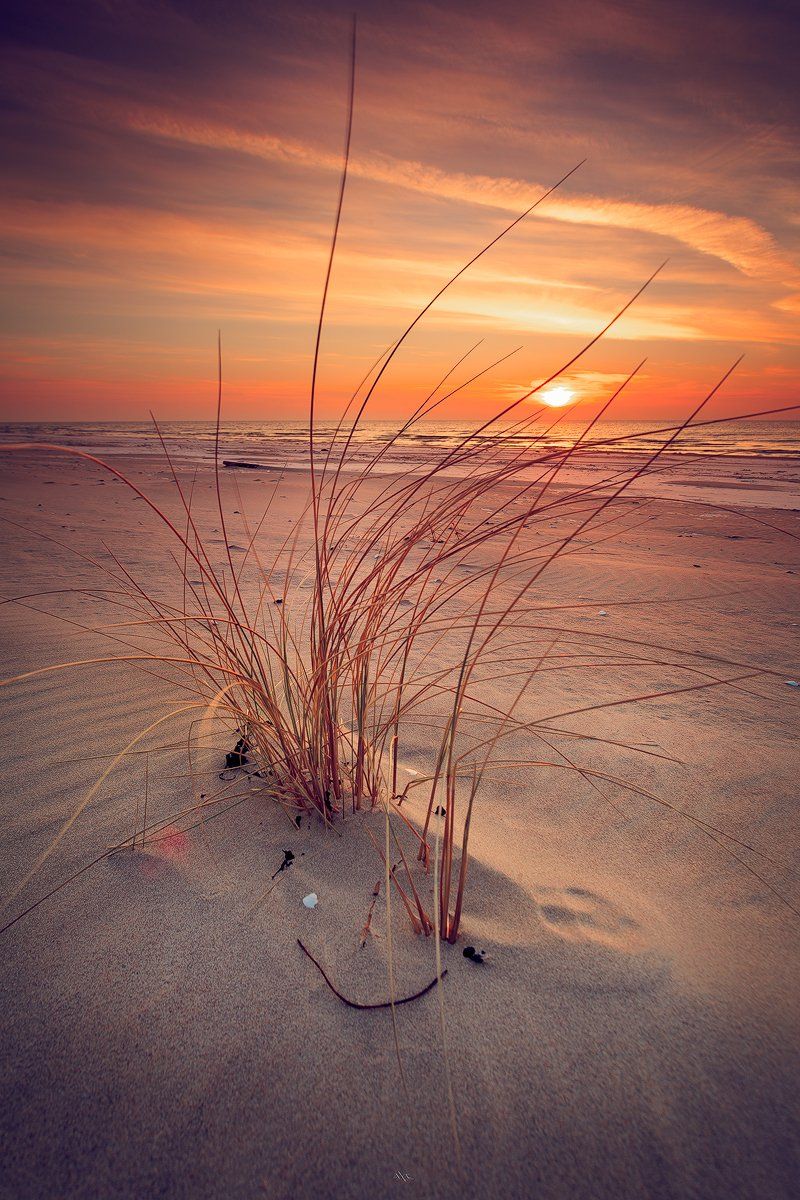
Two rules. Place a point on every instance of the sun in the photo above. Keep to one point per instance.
(557, 397)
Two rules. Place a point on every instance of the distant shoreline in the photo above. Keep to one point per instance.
(285, 443)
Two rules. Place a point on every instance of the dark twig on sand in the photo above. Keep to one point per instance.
(354, 1003)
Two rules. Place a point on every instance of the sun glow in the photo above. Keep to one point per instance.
(557, 397)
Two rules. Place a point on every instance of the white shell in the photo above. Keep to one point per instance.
(310, 900)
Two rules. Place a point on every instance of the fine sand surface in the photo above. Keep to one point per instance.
(634, 1031)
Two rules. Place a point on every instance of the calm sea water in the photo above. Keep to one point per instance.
(272, 442)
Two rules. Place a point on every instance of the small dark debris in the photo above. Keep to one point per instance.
(278, 602)
(288, 859)
(476, 956)
(298, 819)
(237, 757)
(440, 811)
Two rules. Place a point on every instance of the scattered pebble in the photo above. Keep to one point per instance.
(602, 613)
(310, 900)
(792, 683)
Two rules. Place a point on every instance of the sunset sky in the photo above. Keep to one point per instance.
(171, 169)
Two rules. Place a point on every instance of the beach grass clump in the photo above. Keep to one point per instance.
(389, 606)
(405, 588)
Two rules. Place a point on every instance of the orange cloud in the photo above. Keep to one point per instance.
(738, 241)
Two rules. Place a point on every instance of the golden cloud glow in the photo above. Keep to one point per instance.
(146, 211)
(738, 241)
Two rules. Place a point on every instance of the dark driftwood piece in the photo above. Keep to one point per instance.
(354, 1003)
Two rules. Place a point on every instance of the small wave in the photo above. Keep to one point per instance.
(195, 440)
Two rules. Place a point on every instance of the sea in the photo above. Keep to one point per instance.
(286, 443)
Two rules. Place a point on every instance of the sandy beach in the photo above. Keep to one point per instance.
(399, 600)
(633, 1031)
